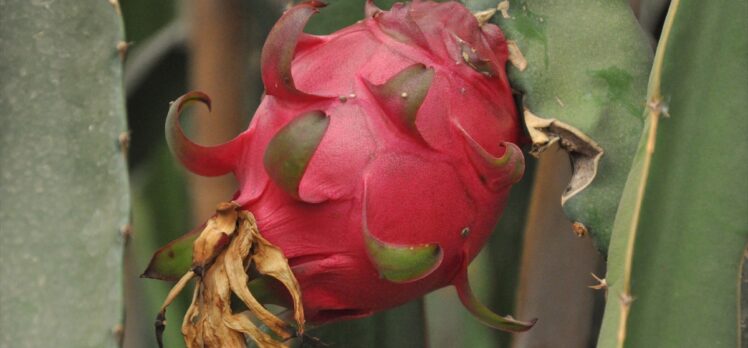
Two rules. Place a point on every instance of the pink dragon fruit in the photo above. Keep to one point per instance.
(380, 157)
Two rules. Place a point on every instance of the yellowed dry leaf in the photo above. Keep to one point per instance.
(269, 260)
(484, 16)
(504, 8)
(584, 152)
(222, 254)
(242, 323)
(205, 327)
(238, 278)
(515, 55)
(215, 237)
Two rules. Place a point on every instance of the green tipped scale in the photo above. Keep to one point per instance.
(278, 53)
(173, 260)
(289, 152)
(483, 313)
(402, 263)
(498, 172)
(402, 95)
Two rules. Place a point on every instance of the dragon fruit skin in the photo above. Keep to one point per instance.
(379, 159)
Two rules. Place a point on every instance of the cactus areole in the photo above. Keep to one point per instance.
(380, 157)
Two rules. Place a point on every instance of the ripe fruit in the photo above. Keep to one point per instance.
(379, 159)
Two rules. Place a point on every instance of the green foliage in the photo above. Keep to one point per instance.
(63, 182)
(160, 214)
(339, 14)
(680, 232)
(404, 326)
(145, 17)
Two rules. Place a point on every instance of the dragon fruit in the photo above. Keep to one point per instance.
(380, 157)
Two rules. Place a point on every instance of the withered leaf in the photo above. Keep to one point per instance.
(215, 237)
(228, 244)
(584, 152)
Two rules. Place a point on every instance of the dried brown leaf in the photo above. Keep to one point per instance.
(238, 278)
(222, 252)
(584, 152)
(503, 7)
(204, 327)
(241, 322)
(515, 55)
(215, 237)
(484, 16)
(269, 260)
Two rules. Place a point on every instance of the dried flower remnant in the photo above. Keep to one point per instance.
(229, 244)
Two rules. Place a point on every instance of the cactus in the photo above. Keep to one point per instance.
(587, 64)
(680, 233)
(63, 177)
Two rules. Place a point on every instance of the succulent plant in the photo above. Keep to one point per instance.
(380, 157)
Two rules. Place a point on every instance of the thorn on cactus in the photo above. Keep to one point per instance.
(602, 283)
(579, 229)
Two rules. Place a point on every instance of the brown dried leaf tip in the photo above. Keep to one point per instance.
(583, 151)
(222, 254)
